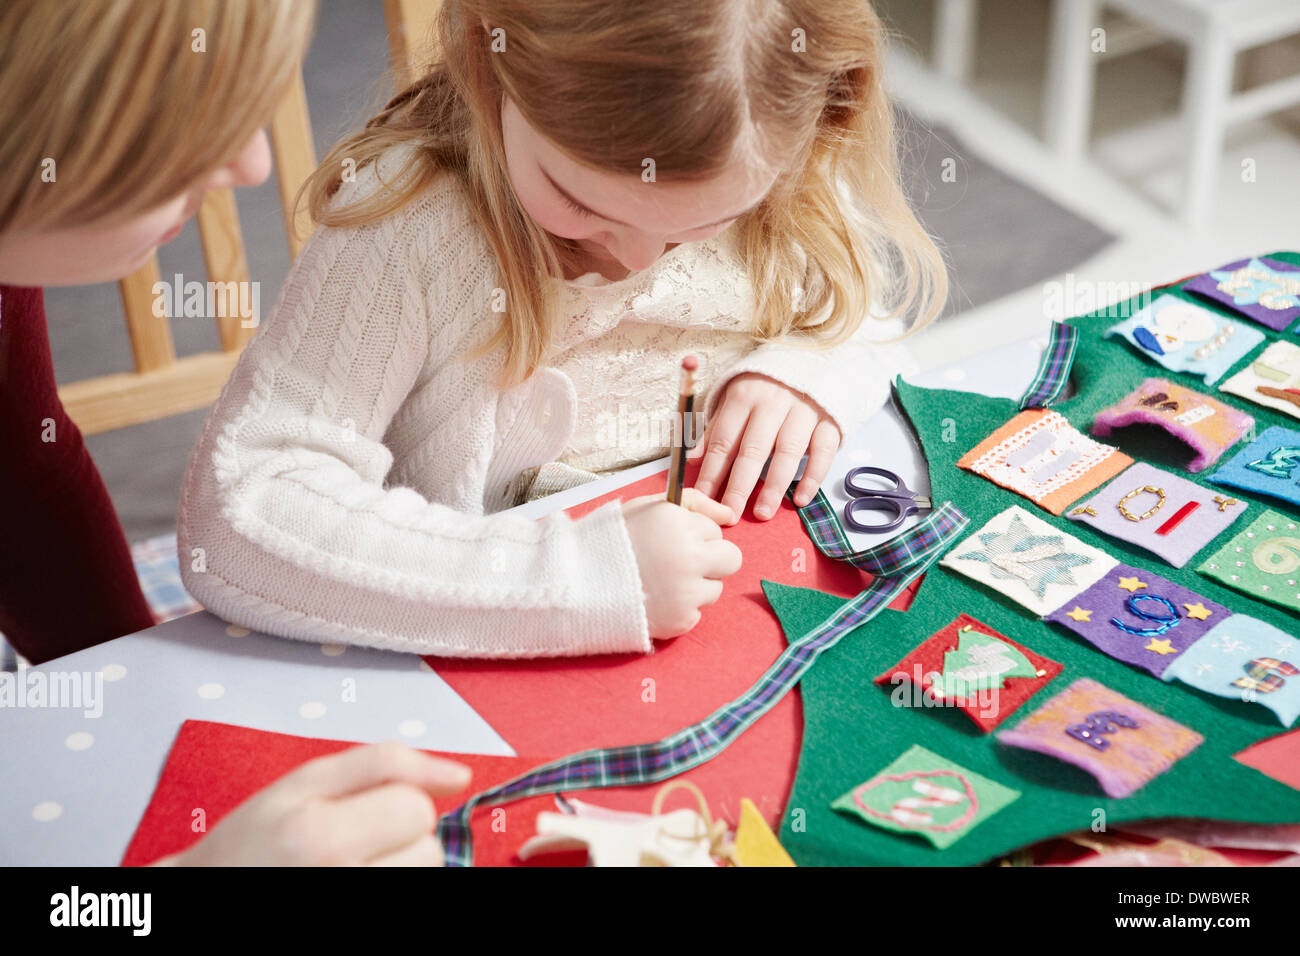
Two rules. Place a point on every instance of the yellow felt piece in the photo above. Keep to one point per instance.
(756, 844)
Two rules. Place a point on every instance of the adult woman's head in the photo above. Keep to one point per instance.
(120, 114)
(586, 129)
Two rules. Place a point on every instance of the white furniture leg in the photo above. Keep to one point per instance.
(954, 39)
(1067, 106)
(1205, 104)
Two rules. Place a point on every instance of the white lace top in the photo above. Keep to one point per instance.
(347, 483)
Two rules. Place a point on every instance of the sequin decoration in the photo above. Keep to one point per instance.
(1265, 290)
(1272, 380)
(1140, 618)
(1205, 424)
(1042, 456)
(1247, 659)
(1185, 337)
(925, 795)
(1270, 465)
(1117, 740)
(1028, 560)
(1158, 511)
(1263, 561)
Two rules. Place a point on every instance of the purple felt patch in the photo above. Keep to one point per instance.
(1117, 740)
(1139, 618)
(1161, 512)
(1205, 424)
(1265, 290)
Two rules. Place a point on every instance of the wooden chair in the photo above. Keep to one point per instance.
(162, 384)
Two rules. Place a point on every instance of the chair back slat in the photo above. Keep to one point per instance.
(410, 37)
(295, 158)
(151, 336)
(223, 252)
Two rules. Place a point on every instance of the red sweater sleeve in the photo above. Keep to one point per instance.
(66, 577)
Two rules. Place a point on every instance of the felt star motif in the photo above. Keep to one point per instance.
(1036, 560)
(1079, 614)
(1198, 611)
(1255, 283)
(1131, 584)
(1161, 647)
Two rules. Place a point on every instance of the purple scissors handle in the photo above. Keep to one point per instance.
(893, 504)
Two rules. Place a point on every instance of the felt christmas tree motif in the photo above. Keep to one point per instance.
(1184, 337)
(921, 793)
(1272, 380)
(1140, 618)
(1263, 561)
(1270, 465)
(1247, 659)
(970, 666)
(1040, 455)
(1117, 740)
(756, 844)
(1204, 424)
(1028, 560)
(1265, 290)
(1169, 516)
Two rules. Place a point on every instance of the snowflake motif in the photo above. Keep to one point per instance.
(1036, 560)
(1257, 284)
(1204, 668)
(1229, 645)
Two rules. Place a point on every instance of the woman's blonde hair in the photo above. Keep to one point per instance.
(114, 107)
(692, 84)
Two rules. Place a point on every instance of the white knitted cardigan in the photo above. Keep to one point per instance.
(346, 484)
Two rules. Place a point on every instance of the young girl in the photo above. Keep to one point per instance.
(515, 255)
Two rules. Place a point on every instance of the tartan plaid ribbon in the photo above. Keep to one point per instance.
(895, 563)
(1054, 369)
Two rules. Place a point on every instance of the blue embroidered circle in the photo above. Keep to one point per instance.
(1163, 624)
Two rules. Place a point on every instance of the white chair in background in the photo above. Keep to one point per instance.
(1215, 31)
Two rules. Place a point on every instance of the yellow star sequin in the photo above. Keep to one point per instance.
(1131, 584)
(1079, 614)
(1161, 647)
(1198, 611)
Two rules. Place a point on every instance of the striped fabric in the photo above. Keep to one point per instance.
(895, 563)
(1054, 369)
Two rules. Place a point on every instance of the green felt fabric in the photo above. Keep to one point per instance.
(852, 730)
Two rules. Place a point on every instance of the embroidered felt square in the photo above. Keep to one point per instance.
(1140, 618)
(1031, 562)
(1161, 512)
(1117, 740)
(1263, 560)
(1205, 424)
(1245, 658)
(1042, 456)
(1184, 337)
(923, 794)
(1266, 290)
(972, 667)
(1270, 465)
(1272, 380)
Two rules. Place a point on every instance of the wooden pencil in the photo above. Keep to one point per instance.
(685, 409)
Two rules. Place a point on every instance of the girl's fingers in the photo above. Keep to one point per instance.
(380, 821)
(426, 851)
(694, 500)
(752, 450)
(723, 441)
(791, 443)
(823, 445)
(360, 768)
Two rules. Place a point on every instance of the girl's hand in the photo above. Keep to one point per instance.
(757, 417)
(367, 806)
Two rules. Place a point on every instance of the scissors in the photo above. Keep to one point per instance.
(894, 502)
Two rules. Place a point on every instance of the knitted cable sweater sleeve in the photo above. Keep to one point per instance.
(287, 524)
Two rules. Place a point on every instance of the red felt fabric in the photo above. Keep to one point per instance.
(929, 657)
(66, 577)
(219, 766)
(1278, 757)
(560, 706)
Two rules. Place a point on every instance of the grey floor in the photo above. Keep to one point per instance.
(999, 236)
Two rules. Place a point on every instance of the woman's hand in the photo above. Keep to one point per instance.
(367, 806)
(758, 417)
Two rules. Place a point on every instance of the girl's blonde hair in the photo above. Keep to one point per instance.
(692, 84)
(114, 107)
